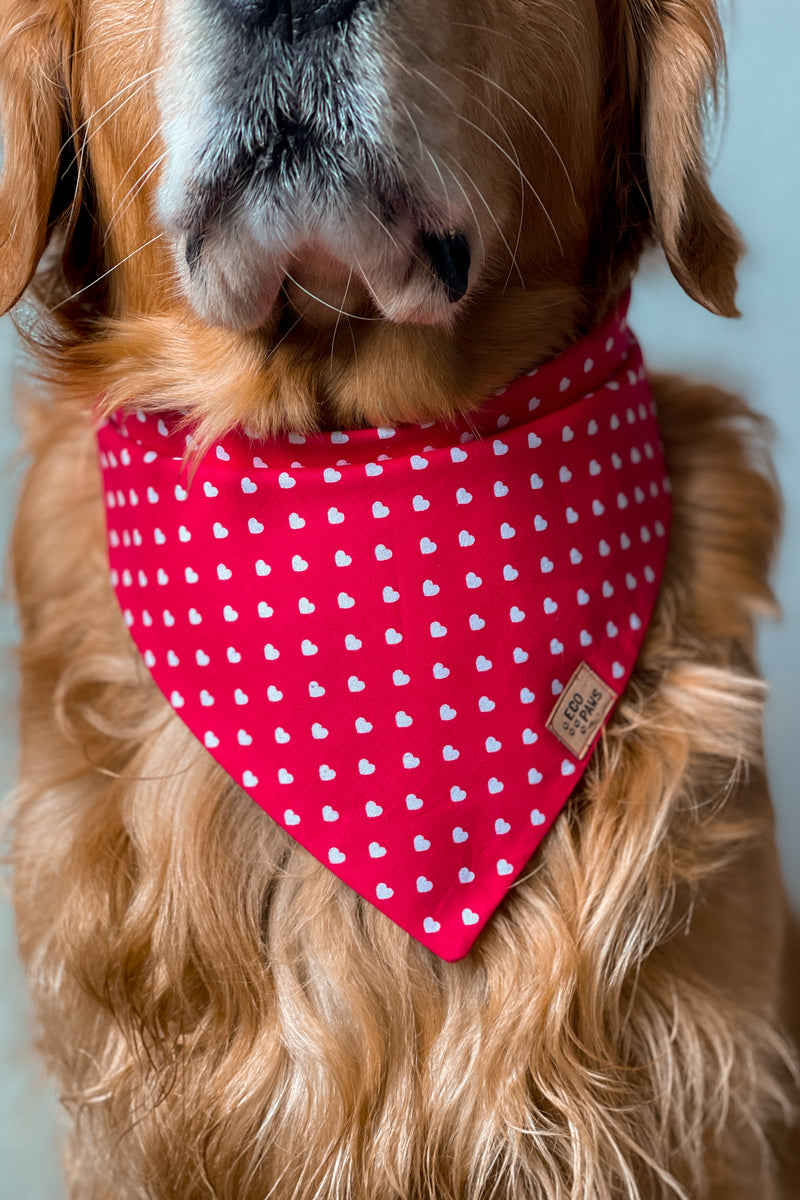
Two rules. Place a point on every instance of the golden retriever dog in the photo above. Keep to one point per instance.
(300, 217)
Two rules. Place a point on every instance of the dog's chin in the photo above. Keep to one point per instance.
(235, 284)
(322, 289)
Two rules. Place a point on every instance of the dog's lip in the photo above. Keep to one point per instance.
(450, 260)
(322, 287)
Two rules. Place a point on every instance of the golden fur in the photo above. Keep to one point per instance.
(225, 1018)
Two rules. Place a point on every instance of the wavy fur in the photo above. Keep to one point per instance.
(224, 1018)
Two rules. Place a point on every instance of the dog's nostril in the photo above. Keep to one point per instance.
(289, 19)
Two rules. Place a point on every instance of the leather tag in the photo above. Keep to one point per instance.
(581, 710)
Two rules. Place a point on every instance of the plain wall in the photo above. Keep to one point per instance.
(757, 177)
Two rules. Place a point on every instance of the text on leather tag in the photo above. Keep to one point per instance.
(581, 710)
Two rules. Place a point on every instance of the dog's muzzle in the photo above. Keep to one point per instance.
(293, 134)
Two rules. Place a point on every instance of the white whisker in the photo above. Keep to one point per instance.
(382, 224)
(493, 218)
(105, 274)
(339, 316)
(138, 155)
(325, 304)
(137, 83)
(510, 96)
(470, 205)
(523, 177)
(132, 194)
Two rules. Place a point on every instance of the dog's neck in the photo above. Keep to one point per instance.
(301, 378)
(375, 372)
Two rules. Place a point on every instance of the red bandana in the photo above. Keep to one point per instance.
(403, 643)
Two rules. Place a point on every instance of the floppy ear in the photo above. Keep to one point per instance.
(681, 55)
(33, 46)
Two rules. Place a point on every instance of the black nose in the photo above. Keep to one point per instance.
(289, 19)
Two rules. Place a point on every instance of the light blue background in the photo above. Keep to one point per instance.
(757, 177)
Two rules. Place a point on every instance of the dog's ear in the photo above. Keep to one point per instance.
(679, 55)
(35, 43)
